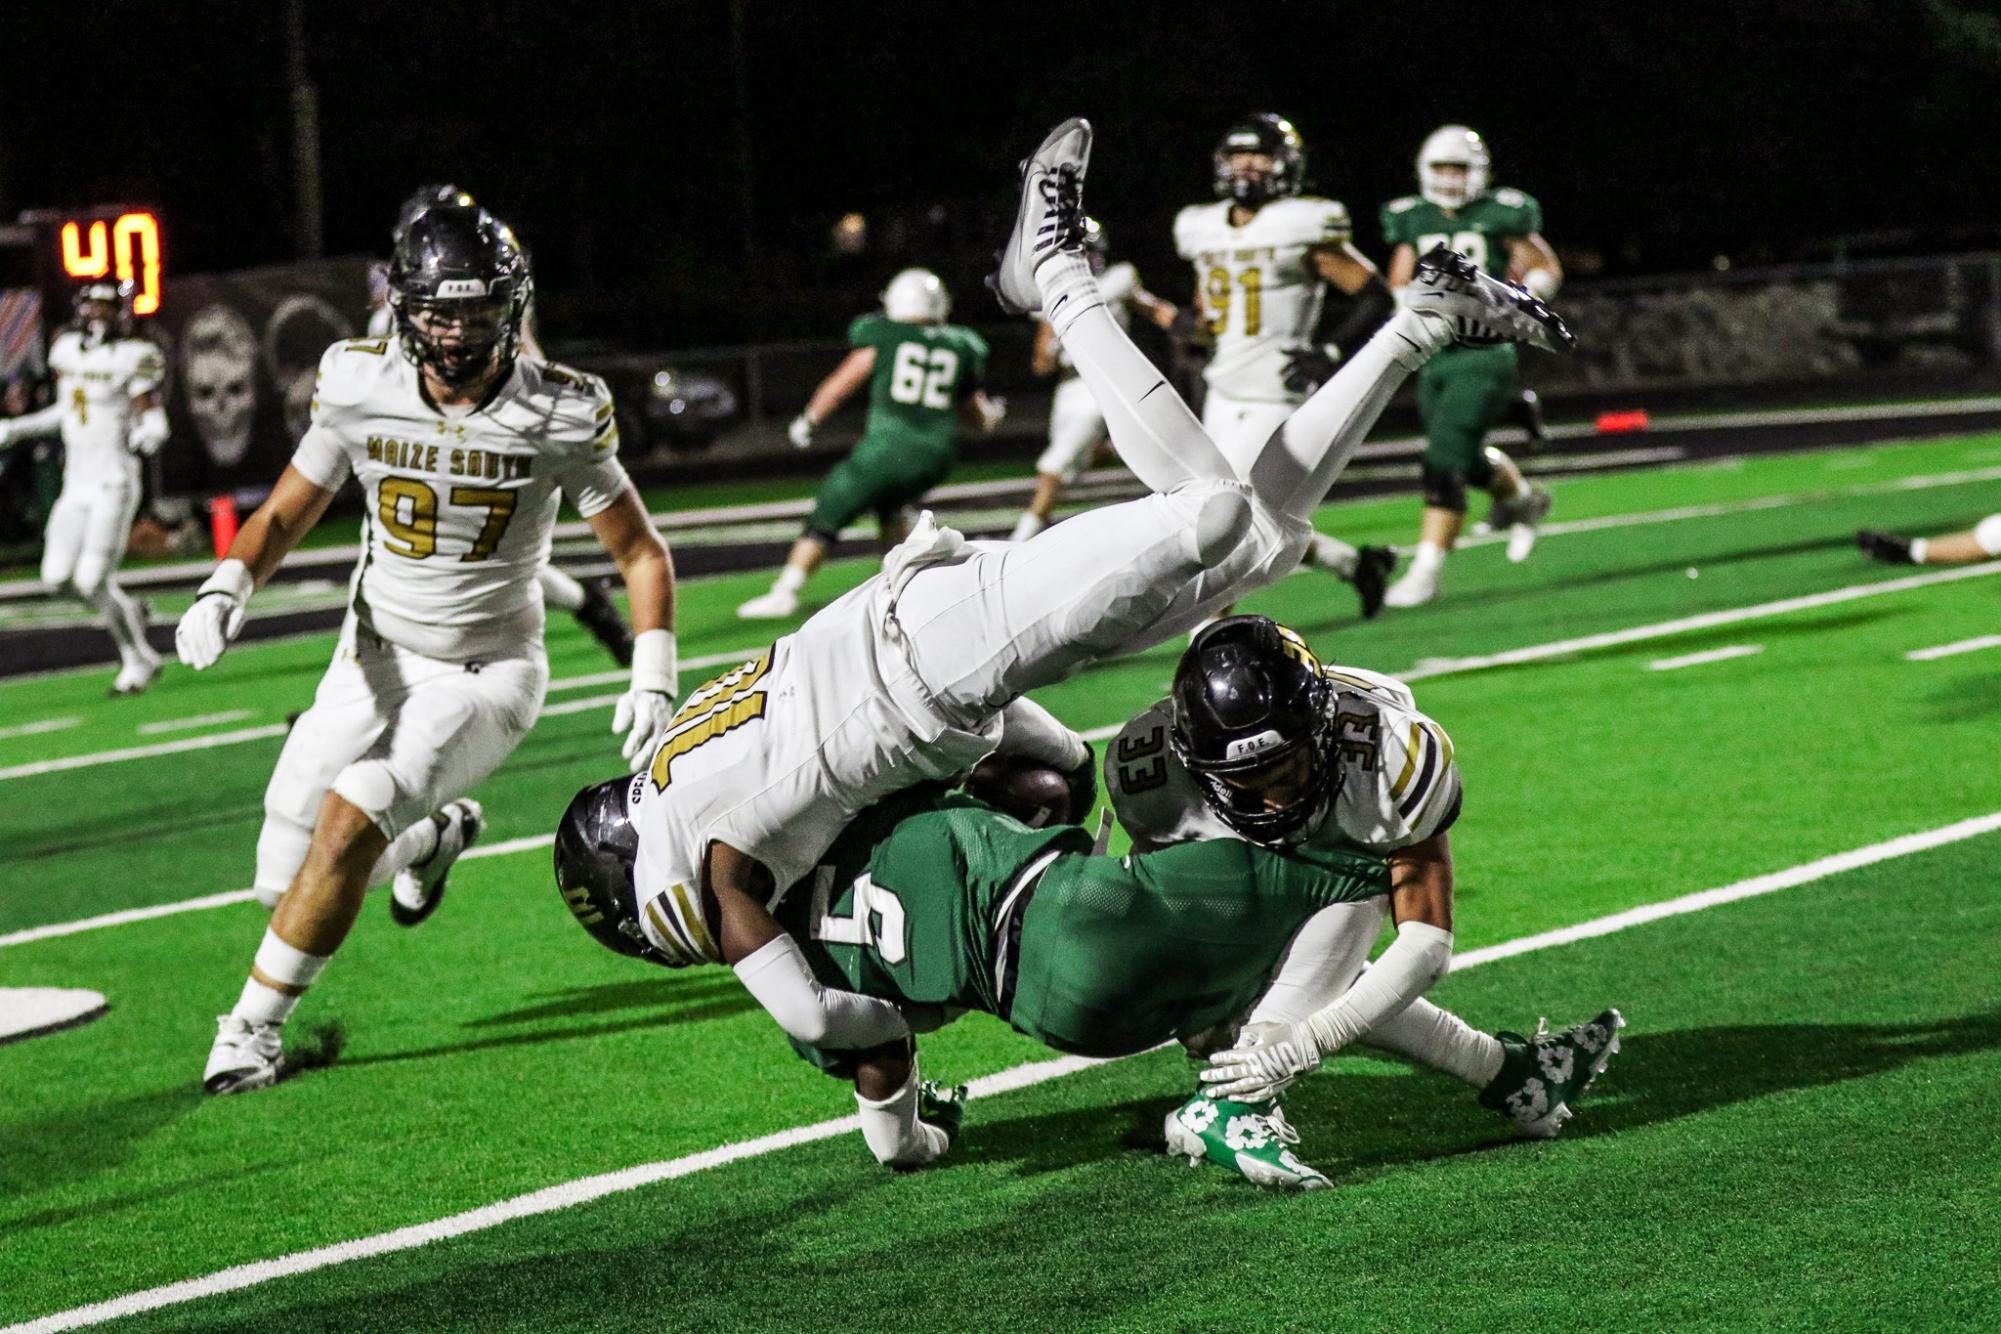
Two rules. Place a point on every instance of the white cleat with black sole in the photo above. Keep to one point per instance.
(1051, 217)
(135, 676)
(1479, 308)
(417, 889)
(245, 1056)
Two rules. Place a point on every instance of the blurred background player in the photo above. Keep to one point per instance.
(1263, 258)
(1982, 542)
(461, 447)
(107, 409)
(1076, 422)
(1464, 392)
(924, 379)
(590, 602)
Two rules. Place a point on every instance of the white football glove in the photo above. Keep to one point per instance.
(647, 707)
(1266, 1059)
(217, 616)
(800, 432)
(993, 411)
(148, 433)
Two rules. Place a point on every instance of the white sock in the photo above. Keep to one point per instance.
(1332, 554)
(1918, 548)
(1027, 526)
(1430, 558)
(1440, 1040)
(1296, 468)
(559, 589)
(413, 845)
(790, 580)
(124, 620)
(294, 968)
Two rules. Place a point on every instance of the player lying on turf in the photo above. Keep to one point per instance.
(920, 672)
(1982, 542)
(463, 449)
(1258, 741)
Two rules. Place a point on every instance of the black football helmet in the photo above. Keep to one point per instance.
(99, 325)
(596, 846)
(421, 201)
(1273, 136)
(459, 286)
(1249, 697)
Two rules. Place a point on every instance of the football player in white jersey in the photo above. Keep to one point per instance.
(1259, 741)
(107, 410)
(1076, 423)
(1264, 254)
(462, 448)
(922, 670)
(590, 603)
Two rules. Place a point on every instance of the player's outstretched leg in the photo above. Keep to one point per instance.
(416, 888)
(1043, 267)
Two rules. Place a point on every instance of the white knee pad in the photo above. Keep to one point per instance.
(370, 787)
(88, 581)
(1222, 514)
(281, 851)
(1988, 534)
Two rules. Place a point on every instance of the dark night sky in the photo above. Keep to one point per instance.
(608, 133)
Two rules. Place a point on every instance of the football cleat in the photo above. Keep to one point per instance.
(599, 615)
(1520, 514)
(135, 676)
(245, 1056)
(943, 1106)
(1542, 1077)
(1372, 576)
(417, 889)
(1479, 308)
(1418, 586)
(1051, 216)
(1251, 1138)
(1886, 547)
(772, 606)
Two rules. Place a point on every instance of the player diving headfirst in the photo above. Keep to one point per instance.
(922, 670)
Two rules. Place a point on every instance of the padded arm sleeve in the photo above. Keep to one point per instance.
(778, 977)
(894, 1134)
(1417, 958)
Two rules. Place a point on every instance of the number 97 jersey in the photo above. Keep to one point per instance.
(1397, 781)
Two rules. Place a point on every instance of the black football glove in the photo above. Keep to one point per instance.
(1083, 781)
(1886, 547)
(1307, 368)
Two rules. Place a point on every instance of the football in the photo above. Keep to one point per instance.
(1032, 793)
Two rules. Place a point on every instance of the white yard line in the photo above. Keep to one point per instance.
(36, 729)
(1954, 650)
(199, 720)
(1702, 659)
(569, 1194)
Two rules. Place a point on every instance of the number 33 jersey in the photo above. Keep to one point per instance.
(1258, 286)
(1398, 782)
(458, 507)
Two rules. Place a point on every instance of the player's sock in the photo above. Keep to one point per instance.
(1297, 467)
(559, 589)
(1440, 1040)
(790, 580)
(1430, 558)
(1333, 555)
(1918, 548)
(1153, 430)
(413, 845)
(292, 968)
(125, 621)
(1027, 526)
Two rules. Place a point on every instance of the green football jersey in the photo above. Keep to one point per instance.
(1478, 230)
(922, 372)
(1104, 956)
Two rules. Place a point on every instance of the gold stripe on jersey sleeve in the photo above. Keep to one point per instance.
(691, 914)
(665, 926)
(1444, 743)
(725, 719)
(1411, 749)
(1438, 784)
(602, 413)
(1336, 674)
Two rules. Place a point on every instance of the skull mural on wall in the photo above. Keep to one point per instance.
(219, 380)
(299, 330)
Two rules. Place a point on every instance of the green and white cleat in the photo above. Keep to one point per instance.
(1542, 1077)
(1250, 1138)
(942, 1106)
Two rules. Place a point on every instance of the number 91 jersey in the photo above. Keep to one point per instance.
(1259, 288)
(921, 373)
(458, 507)
(1398, 783)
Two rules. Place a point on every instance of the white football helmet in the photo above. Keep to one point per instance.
(1452, 146)
(916, 296)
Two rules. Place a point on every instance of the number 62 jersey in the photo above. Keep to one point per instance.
(459, 502)
(1398, 784)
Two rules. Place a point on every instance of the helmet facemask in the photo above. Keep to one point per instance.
(1260, 160)
(104, 310)
(459, 340)
(459, 287)
(595, 851)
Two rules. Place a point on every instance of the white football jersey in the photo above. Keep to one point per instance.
(1118, 284)
(1398, 784)
(95, 386)
(776, 757)
(1258, 287)
(459, 505)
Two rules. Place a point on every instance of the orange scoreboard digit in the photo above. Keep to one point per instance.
(124, 243)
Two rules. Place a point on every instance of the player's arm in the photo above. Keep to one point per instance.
(1042, 356)
(774, 970)
(1403, 264)
(979, 412)
(42, 421)
(626, 532)
(1160, 310)
(836, 389)
(1369, 304)
(296, 504)
(1533, 264)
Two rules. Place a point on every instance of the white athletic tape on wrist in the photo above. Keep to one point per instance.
(231, 578)
(291, 967)
(655, 662)
(1541, 283)
(1988, 534)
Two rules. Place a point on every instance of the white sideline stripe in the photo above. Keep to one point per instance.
(199, 720)
(1952, 650)
(223, 900)
(621, 675)
(571, 1193)
(36, 729)
(1700, 659)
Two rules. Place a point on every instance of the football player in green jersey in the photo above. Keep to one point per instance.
(924, 378)
(1465, 391)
